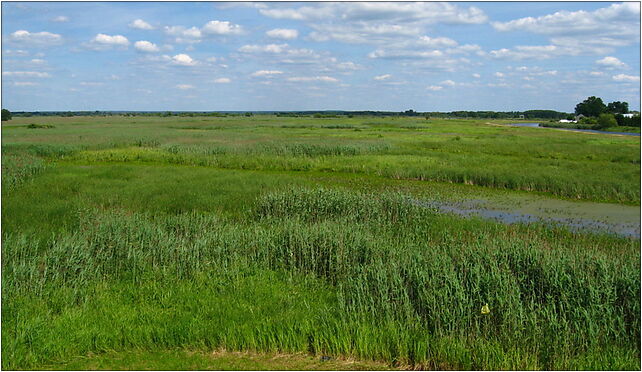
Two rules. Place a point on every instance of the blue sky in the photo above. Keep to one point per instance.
(314, 56)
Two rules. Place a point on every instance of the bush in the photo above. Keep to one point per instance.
(606, 121)
(6, 115)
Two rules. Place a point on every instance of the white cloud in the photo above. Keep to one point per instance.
(91, 83)
(374, 22)
(266, 73)
(476, 76)
(401, 53)
(222, 81)
(605, 28)
(105, 42)
(383, 77)
(141, 25)
(221, 28)
(348, 66)
(184, 35)
(499, 74)
(326, 79)
(60, 19)
(436, 42)
(283, 53)
(434, 88)
(522, 52)
(184, 86)
(449, 83)
(626, 78)
(38, 61)
(596, 73)
(378, 11)
(41, 39)
(26, 74)
(183, 60)
(270, 48)
(24, 83)
(611, 62)
(16, 52)
(283, 33)
(146, 46)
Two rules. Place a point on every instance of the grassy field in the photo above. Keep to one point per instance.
(131, 239)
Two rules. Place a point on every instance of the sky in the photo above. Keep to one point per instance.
(389, 56)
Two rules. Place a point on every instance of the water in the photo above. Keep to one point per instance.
(536, 125)
(579, 217)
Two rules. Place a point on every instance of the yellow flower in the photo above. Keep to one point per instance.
(485, 309)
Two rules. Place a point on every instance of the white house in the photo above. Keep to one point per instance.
(627, 115)
(567, 121)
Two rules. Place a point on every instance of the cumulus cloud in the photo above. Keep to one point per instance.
(111, 40)
(283, 53)
(105, 42)
(626, 78)
(183, 60)
(222, 81)
(436, 42)
(35, 39)
(266, 73)
(221, 28)
(374, 22)
(382, 77)
(434, 88)
(141, 25)
(35, 74)
(381, 11)
(325, 79)
(184, 86)
(611, 62)
(605, 28)
(539, 52)
(270, 48)
(476, 75)
(184, 35)
(146, 46)
(60, 19)
(283, 33)
(448, 83)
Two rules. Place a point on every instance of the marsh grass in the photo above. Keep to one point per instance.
(120, 244)
(383, 280)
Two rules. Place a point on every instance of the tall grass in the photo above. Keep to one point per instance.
(396, 282)
(565, 178)
(16, 169)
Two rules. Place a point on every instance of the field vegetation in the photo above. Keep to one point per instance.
(126, 238)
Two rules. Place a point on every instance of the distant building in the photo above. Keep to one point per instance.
(568, 121)
(521, 116)
(578, 117)
(628, 115)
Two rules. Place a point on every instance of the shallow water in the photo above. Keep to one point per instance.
(536, 125)
(616, 219)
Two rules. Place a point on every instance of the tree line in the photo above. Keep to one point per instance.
(602, 115)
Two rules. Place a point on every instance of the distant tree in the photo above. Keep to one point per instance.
(606, 121)
(592, 106)
(618, 107)
(6, 115)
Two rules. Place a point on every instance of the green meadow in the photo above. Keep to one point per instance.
(271, 242)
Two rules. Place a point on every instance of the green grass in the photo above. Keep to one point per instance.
(144, 248)
(460, 151)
